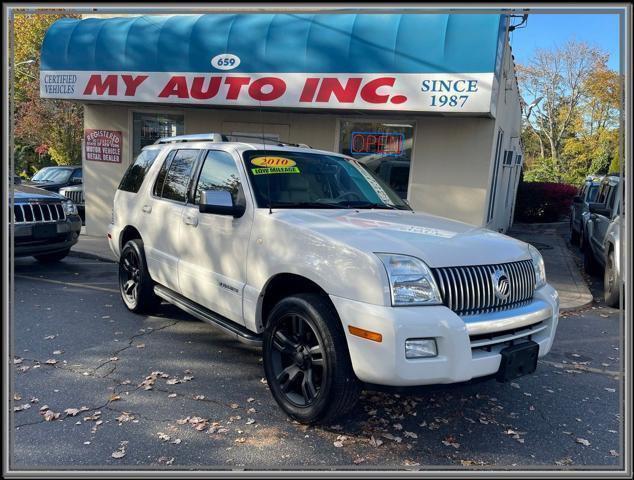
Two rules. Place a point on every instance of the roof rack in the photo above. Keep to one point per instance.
(224, 137)
(199, 137)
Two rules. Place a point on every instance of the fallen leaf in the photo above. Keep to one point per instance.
(163, 436)
(614, 453)
(375, 442)
(234, 405)
(250, 421)
(240, 440)
(71, 411)
(114, 398)
(51, 361)
(50, 415)
(176, 441)
(172, 395)
(583, 442)
(338, 444)
(19, 408)
(17, 397)
(250, 400)
(118, 454)
(199, 397)
(140, 345)
(165, 460)
(611, 390)
(410, 434)
(58, 352)
(173, 381)
(125, 417)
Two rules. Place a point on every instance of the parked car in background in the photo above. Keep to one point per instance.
(602, 244)
(315, 258)
(587, 194)
(45, 224)
(76, 194)
(54, 178)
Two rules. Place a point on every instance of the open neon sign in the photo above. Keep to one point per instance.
(376, 143)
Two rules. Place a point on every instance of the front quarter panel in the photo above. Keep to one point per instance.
(279, 247)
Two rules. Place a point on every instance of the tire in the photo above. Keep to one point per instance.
(611, 287)
(52, 257)
(590, 265)
(306, 360)
(135, 284)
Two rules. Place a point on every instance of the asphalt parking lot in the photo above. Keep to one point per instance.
(96, 386)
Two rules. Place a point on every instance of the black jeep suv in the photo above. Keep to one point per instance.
(54, 178)
(45, 224)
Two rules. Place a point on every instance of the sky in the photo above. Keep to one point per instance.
(550, 30)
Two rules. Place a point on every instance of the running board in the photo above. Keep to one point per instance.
(206, 315)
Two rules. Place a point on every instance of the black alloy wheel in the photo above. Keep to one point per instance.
(129, 276)
(297, 360)
(306, 359)
(135, 284)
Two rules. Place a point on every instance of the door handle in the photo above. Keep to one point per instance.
(191, 219)
(147, 208)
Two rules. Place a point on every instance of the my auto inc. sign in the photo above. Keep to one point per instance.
(431, 92)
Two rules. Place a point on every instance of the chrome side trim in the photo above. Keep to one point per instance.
(534, 312)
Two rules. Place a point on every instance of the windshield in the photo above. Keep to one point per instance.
(52, 175)
(314, 180)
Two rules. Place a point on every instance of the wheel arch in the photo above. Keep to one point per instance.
(282, 285)
(128, 233)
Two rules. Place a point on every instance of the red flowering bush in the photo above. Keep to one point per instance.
(539, 202)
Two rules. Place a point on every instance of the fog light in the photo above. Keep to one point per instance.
(420, 348)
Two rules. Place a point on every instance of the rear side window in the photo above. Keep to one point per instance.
(134, 175)
(178, 175)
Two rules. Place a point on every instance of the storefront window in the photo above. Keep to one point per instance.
(149, 127)
(384, 148)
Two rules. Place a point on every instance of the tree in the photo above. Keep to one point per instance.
(52, 127)
(558, 76)
(573, 130)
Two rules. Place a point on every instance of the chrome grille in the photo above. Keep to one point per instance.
(470, 290)
(38, 212)
(77, 196)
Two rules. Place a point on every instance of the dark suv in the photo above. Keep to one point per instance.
(54, 178)
(45, 224)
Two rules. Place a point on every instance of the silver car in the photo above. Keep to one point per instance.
(587, 194)
(602, 244)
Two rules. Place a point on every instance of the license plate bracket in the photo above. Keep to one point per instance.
(517, 361)
(44, 231)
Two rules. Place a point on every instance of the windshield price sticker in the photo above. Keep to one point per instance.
(271, 165)
(271, 170)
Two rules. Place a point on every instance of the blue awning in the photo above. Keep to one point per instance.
(277, 43)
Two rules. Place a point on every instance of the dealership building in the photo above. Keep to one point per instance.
(427, 101)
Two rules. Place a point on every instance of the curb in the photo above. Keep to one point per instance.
(576, 307)
(91, 256)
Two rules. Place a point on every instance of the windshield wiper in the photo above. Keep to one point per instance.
(304, 205)
(364, 205)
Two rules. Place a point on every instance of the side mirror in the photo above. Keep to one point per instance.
(220, 202)
(599, 209)
(577, 199)
(76, 181)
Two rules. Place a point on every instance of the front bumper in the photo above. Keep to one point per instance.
(465, 350)
(45, 237)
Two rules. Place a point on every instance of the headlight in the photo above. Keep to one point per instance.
(538, 265)
(411, 281)
(69, 207)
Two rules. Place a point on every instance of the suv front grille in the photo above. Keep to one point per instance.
(471, 290)
(77, 196)
(38, 212)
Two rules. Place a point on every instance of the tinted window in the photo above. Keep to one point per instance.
(178, 175)
(592, 195)
(219, 172)
(133, 178)
(76, 173)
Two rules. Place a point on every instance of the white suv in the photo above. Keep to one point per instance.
(311, 255)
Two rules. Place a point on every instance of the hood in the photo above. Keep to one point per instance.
(52, 186)
(25, 193)
(438, 241)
